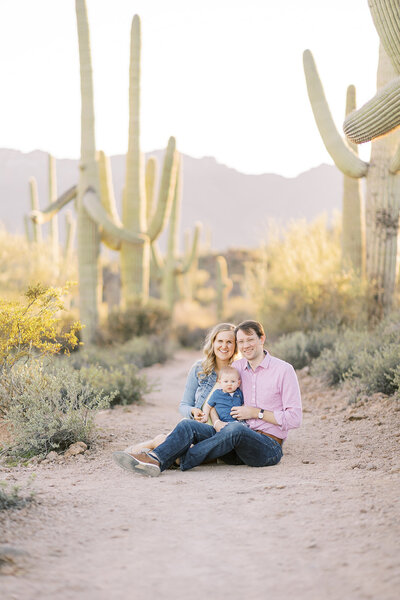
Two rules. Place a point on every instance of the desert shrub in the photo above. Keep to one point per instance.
(334, 364)
(300, 349)
(122, 384)
(298, 283)
(139, 351)
(23, 263)
(396, 380)
(29, 331)
(12, 497)
(190, 337)
(376, 371)
(51, 408)
(152, 318)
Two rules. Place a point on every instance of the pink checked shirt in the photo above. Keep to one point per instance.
(274, 387)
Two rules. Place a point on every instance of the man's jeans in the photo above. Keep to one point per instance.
(250, 448)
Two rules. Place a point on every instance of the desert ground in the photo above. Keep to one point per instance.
(323, 524)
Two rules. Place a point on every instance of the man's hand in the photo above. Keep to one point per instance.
(242, 412)
(197, 414)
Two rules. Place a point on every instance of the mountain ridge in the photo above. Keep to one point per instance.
(235, 207)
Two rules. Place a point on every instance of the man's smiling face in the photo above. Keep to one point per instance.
(250, 345)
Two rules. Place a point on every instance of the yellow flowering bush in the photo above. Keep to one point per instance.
(30, 329)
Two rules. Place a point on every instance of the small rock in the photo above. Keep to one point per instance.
(75, 449)
(51, 456)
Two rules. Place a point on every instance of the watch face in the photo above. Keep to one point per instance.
(260, 414)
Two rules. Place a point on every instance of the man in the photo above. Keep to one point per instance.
(272, 406)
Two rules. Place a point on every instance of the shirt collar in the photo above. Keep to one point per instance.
(265, 362)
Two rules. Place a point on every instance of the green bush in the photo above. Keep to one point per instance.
(51, 408)
(298, 282)
(190, 337)
(141, 352)
(334, 364)
(377, 371)
(12, 498)
(299, 348)
(122, 383)
(152, 318)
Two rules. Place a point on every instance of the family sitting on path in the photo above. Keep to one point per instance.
(246, 426)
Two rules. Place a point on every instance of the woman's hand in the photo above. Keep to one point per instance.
(197, 414)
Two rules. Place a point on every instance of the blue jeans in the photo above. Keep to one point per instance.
(238, 443)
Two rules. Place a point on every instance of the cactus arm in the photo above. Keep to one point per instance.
(344, 158)
(157, 258)
(378, 116)
(386, 17)
(99, 215)
(166, 192)
(44, 216)
(150, 183)
(107, 199)
(194, 250)
(37, 232)
(70, 223)
(52, 199)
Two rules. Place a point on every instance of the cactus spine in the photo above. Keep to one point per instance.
(382, 193)
(353, 230)
(224, 286)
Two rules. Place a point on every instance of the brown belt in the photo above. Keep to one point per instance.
(270, 435)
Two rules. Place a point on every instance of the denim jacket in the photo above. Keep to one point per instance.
(196, 389)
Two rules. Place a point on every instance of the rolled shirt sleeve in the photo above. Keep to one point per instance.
(189, 394)
(290, 416)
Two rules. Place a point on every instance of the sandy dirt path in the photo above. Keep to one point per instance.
(323, 524)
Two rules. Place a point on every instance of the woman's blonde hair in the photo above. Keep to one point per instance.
(209, 363)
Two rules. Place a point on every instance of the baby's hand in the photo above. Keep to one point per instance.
(203, 419)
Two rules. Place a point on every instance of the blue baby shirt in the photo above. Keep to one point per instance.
(223, 402)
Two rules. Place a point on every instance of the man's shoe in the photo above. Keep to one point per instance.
(138, 463)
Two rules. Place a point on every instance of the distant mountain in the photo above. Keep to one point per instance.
(233, 206)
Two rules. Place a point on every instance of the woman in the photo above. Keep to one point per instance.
(219, 351)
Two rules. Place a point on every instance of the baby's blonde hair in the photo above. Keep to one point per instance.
(227, 371)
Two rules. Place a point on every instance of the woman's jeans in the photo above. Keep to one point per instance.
(235, 444)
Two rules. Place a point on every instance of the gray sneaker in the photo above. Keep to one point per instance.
(138, 463)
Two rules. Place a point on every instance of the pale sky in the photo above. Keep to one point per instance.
(225, 77)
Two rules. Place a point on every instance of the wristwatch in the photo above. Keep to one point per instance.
(261, 413)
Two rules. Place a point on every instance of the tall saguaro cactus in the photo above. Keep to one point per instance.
(224, 286)
(172, 267)
(96, 218)
(137, 207)
(382, 187)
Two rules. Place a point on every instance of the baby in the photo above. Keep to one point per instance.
(223, 399)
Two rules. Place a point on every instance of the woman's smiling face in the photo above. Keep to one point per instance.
(224, 345)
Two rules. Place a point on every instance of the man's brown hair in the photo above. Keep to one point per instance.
(247, 326)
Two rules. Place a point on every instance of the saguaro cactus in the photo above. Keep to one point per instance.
(353, 228)
(36, 228)
(382, 113)
(173, 267)
(382, 187)
(96, 218)
(224, 286)
(135, 261)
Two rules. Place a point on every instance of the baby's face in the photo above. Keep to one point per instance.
(229, 382)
